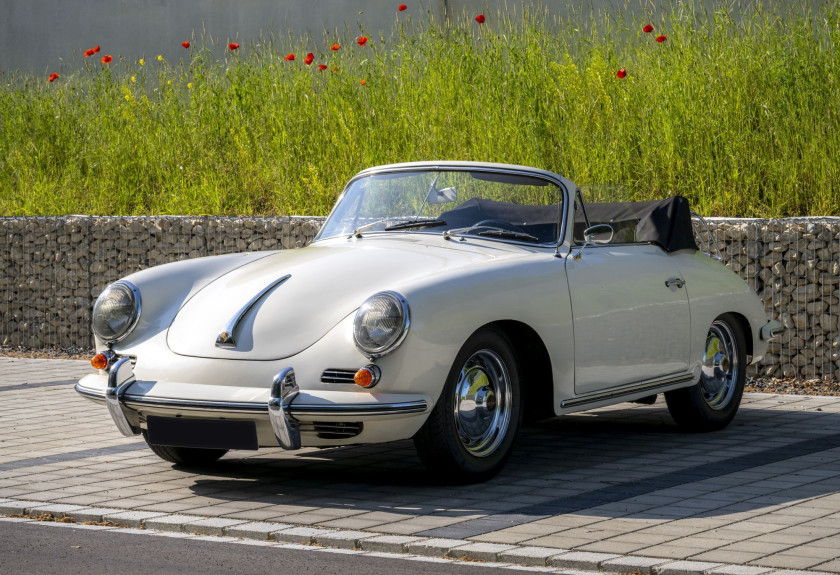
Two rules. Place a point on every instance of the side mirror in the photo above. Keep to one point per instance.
(600, 234)
(597, 235)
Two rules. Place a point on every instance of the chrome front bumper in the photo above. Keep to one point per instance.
(282, 410)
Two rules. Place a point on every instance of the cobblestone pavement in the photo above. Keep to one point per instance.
(614, 490)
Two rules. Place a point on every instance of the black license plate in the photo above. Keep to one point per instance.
(202, 433)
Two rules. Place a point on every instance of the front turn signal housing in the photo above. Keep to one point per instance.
(99, 361)
(368, 376)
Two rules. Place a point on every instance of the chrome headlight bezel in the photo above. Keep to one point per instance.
(126, 288)
(394, 340)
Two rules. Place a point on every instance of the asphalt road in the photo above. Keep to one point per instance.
(32, 549)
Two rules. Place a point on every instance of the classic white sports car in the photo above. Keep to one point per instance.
(446, 302)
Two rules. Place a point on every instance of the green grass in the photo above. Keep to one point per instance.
(737, 112)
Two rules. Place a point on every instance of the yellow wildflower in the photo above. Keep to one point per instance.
(134, 78)
(169, 82)
(189, 85)
(142, 62)
(160, 58)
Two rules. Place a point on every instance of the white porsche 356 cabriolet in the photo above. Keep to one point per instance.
(441, 301)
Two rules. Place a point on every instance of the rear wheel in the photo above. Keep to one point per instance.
(187, 456)
(470, 432)
(712, 403)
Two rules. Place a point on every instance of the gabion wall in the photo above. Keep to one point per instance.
(794, 266)
(52, 269)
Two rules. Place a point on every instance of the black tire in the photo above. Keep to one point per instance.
(186, 456)
(712, 403)
(474, 445)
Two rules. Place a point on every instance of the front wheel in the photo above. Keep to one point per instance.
(712, 403)
(186, 456)
(470, 432)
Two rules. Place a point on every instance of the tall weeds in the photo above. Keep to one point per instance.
(737, 112)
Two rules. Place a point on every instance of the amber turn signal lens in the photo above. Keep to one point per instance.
(363, 377)
(99, 361)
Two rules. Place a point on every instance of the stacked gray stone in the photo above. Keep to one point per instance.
(794, 267)
(52, 269)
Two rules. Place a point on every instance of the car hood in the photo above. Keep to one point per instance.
(327, 282)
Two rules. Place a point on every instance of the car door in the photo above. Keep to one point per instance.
(629, 326)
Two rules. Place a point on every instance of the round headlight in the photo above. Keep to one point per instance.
(381, 323)
(116, 311)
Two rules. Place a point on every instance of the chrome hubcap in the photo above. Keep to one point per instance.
(482, 403)
(720, 370)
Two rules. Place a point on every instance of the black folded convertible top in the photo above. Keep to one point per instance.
(666, 223)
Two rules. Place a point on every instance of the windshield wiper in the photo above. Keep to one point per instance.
(399, 225)
(509, 234)
(492, 232)
(424, 222)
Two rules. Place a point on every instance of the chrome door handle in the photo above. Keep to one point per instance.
(675, 281)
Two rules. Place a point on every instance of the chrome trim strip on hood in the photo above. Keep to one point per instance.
(227, 337)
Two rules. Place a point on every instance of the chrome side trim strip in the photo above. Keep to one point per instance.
(627, 390)
(227, 337)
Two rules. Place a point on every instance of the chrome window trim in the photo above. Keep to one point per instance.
(467, 167)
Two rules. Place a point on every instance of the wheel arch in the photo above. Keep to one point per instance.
(746, 329)
(535, 367)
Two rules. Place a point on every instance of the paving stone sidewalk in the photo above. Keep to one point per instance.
(617, 489)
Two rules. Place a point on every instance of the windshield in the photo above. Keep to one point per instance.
(496, 205)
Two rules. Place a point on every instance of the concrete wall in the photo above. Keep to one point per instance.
(42, 36)
(52, 269)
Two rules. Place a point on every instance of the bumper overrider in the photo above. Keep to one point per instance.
(282, 409)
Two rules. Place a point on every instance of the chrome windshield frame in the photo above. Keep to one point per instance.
(563, 204)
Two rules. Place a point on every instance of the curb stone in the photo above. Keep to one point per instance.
(530, 556)
(434, 550)
(435, 547)
(584, 560)
(256, 530)
(686, 568)
(299, 534)
(389, 543)
(480, 551)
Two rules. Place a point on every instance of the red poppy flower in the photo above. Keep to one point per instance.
(309, 59)
(89, 52)
(96, 50)
(648, 29)
(53, 77)
(185, 44)
(233, 46)
(402, 7)
(661, 38)
(362, 40)
(335, 47)
(322, 66)
(621, 73)
(480, 18)
(290, 57)
(363, 82)
(106, 59)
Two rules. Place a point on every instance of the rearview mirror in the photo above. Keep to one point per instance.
(443, 196)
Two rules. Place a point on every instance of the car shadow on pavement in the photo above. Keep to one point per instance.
(625, 461)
